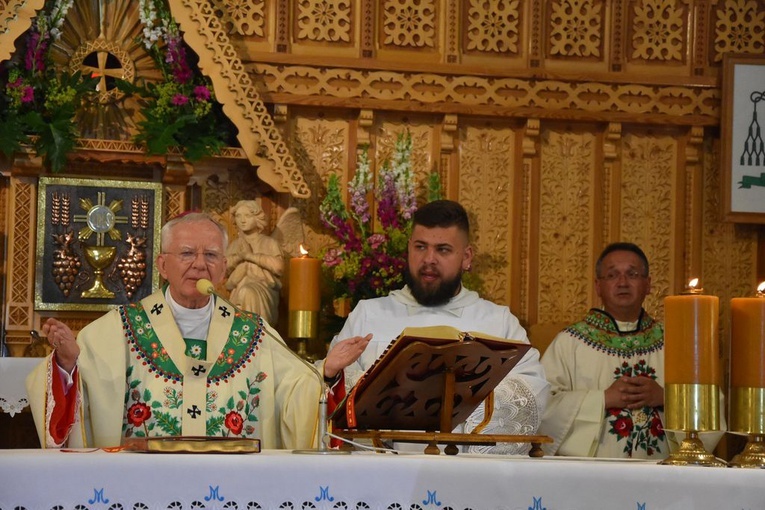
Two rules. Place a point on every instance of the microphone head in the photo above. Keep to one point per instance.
(205, 287)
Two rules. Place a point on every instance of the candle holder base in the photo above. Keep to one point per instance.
(753, 454)
(302, 351)
(692, 453)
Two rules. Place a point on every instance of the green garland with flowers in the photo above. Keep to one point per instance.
(38, 103)
(369, 259)
(180, 111)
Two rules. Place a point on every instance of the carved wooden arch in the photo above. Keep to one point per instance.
(15, 19)
(234, 89)
(260, 139)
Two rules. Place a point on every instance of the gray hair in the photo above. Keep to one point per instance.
(166, 234)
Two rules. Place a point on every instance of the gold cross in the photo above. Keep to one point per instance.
(100, 219)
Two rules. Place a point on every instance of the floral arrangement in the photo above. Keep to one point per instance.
(37, 104)
(181, 110)
(370, 259)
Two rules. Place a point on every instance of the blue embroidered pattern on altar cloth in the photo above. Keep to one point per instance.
(215, 496)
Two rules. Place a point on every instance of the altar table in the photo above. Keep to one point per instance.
(52, 479)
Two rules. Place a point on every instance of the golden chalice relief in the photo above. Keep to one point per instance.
(96, 244)
(100, 220)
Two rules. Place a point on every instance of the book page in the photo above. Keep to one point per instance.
(449, 333)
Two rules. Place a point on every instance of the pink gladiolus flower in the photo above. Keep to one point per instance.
(376, 240)
(333, 257)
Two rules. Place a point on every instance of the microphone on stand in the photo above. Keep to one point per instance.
(205, 287)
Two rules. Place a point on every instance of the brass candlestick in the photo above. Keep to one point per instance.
(691, 373)
(748, 416)
(747, 392)
(692, 408)
(302, 326)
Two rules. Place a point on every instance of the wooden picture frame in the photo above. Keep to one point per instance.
(96, 242)
(742, 134)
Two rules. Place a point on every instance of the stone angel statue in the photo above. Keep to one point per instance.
(255, 259)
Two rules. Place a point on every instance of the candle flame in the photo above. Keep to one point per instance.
(303, 251)
(761, 289)
(693, 287)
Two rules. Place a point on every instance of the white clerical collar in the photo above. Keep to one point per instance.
(193, 322)
(454, 306)
(626, 327)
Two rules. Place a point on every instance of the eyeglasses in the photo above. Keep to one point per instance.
(188, 256)
(631, 275)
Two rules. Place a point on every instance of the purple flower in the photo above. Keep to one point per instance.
(180, 100)
(387, 206)
(176, 57)
(201, 93)
(27, 94)
(34, 60)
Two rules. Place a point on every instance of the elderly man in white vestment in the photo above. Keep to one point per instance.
(178, 363)
(439, 252)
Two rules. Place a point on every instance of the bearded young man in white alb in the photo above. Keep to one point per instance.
(439, 252)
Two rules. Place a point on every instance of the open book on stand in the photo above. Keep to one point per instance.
(428, 379)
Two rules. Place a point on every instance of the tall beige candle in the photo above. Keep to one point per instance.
(747, 348)
(691, 343)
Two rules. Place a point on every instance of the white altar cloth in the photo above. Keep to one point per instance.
(48, 479)
(13, 374)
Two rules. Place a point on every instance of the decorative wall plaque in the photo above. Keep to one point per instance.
(742, 138)
(96, 242)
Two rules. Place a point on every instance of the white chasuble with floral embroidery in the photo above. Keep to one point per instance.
(138, 378)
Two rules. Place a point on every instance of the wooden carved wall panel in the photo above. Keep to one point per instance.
(175, 202)
(492, 27)
(322, 147)
(494, 96)
(649, 196)
(739, 27)
(658, 31)
(565, 225)
(19, 283)
(407, 24)
(487, 156)
(576, 29)
(224, 187)
(319, 21)
(244, 17)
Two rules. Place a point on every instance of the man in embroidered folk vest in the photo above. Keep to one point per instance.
(178, 363)
(607, 371)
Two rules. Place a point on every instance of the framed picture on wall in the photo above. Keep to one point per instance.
(743, 138)
(96, 242)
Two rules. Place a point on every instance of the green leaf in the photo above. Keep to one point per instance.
(12, 135)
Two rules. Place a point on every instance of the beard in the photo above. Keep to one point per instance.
(435, 295)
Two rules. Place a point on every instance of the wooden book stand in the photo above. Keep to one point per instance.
(428, 381)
